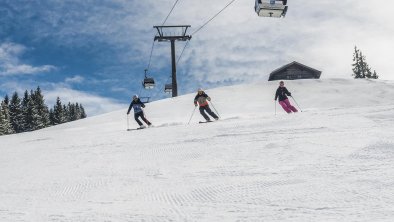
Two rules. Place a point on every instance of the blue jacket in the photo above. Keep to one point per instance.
(137, 105)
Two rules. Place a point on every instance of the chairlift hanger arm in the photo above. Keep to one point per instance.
(146, 70)
(160, 28)
(172, 38)
(161, 36)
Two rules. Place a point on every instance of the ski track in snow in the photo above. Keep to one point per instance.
(330, 163)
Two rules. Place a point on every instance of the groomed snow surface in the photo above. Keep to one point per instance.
(332, 162)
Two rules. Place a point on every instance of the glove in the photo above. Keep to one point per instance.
(209, 99)
(195, 105)
(128, 113)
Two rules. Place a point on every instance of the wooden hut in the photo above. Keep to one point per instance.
(294, 70)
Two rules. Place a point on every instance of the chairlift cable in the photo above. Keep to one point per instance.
(231, 2)
(204, 26)
(179, 58)
(139, 93)
(150, 57)
(153, 44)
(165, 20)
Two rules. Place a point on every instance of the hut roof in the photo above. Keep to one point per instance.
(291, 64)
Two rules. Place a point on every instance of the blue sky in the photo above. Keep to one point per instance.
(95, 51)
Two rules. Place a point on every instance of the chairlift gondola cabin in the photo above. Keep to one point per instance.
(168, 88)
(270, 8)
(148, 83)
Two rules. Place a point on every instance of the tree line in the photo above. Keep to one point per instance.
(30, 113)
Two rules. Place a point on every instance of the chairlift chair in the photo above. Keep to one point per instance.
(148, 83)
(144, 99)
(168, 88)
(270, 8)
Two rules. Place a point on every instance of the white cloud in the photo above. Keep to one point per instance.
(237, 45)
(9, 87)
(321, 34)
(10, 63)
(11, 69)
(75, 79)
(93, 104)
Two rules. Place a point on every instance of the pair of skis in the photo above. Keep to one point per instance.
(135, 129)
(209, 121)
(139, 128)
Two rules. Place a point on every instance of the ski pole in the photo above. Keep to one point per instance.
(215, 109)
(275, 106)
(128, 128)
(296, 103)
(192, 115)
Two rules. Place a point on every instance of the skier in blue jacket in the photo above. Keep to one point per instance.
(137, 105)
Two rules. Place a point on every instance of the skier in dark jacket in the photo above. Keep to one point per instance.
(202, 100)
(281, 92)
(137, 105)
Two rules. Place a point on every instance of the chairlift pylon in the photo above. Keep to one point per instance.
(148, 83)
(270, 8)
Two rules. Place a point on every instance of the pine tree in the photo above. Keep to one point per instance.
(5, 122)
(51, 117)
(42, 109)
(58, 112)
(366, 71)
(374, 75)
(6, 100)
(82, 111)
(33, 119)
(71, 111)
(74, 111)
(357, 73)
(66, 114)
(26, 117)
(16, 113)
(2, 121)
(77, 111)
(361, 68)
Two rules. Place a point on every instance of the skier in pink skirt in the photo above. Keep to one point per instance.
(281, 92)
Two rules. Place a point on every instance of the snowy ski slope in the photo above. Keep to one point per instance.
(332, 162)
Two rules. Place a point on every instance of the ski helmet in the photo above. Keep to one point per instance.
(135, 96)
(200, 90)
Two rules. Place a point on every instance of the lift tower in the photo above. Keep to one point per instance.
(166, 33)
